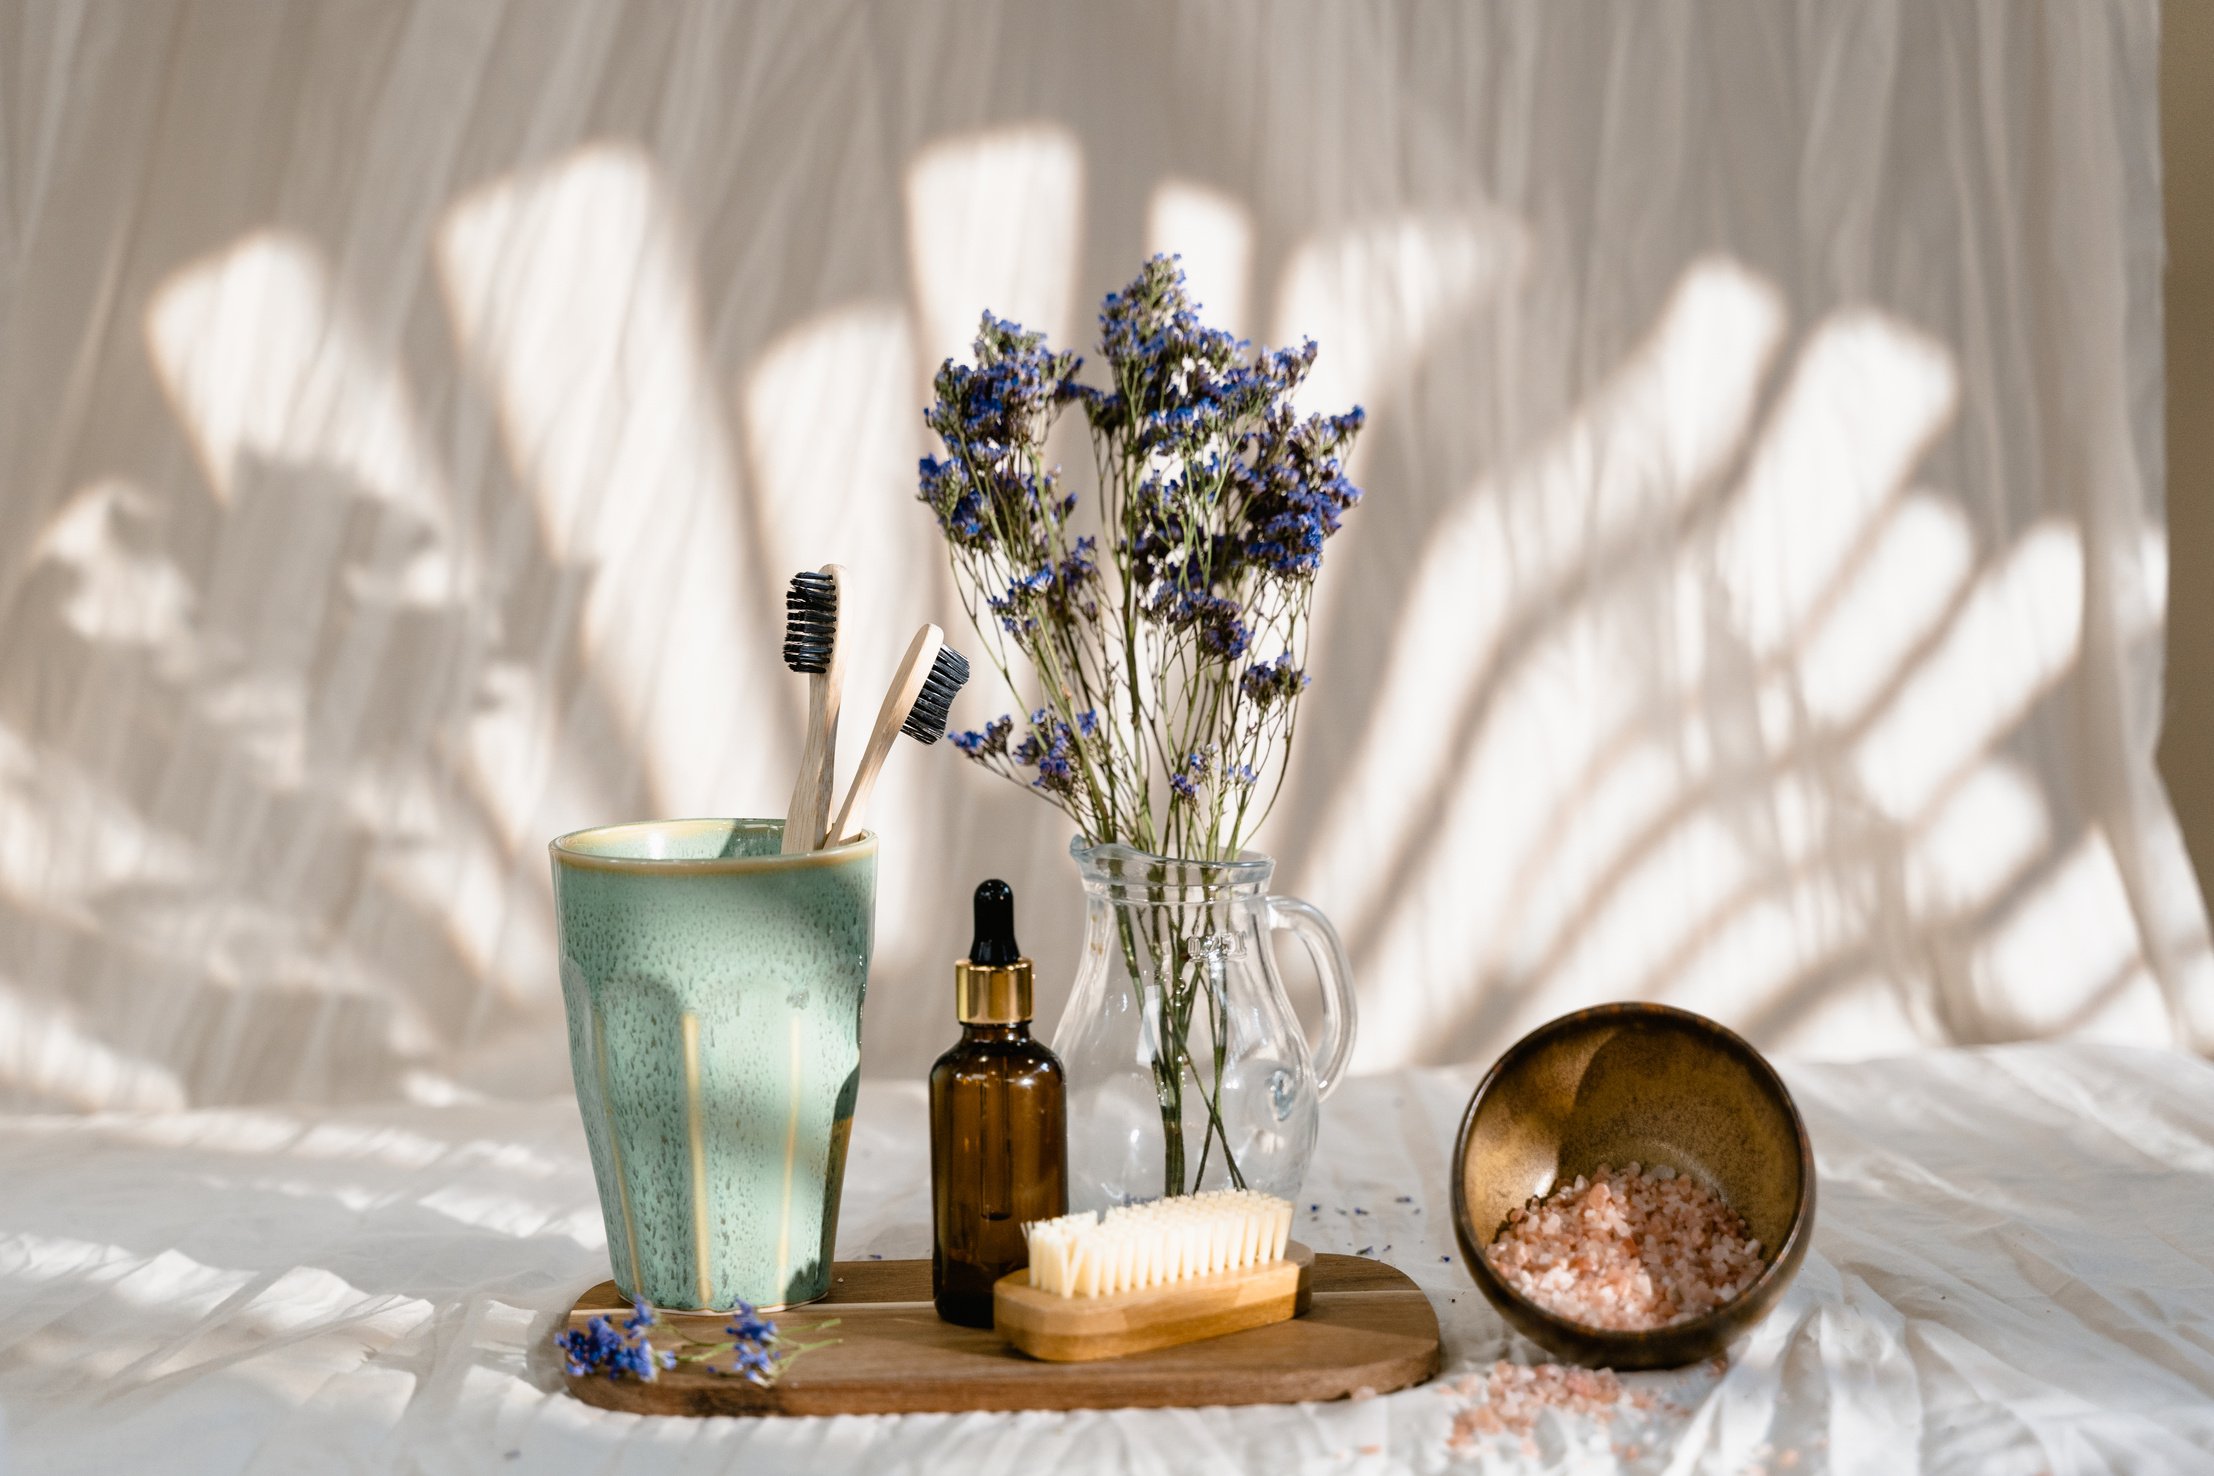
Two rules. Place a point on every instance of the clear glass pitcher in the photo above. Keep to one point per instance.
(1187, 1067)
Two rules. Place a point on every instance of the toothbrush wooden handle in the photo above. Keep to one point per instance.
(899, 700)
(809, 810)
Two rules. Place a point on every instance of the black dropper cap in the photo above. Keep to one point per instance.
(995, 945)
(992, 985)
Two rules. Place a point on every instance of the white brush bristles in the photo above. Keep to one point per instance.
(1168, 1240)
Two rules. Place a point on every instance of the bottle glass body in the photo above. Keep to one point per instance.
(998, 1160)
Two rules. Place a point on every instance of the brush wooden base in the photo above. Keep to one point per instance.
(1083, 1329)
(1368, 1328)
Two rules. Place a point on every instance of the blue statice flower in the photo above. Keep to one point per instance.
(1081, 565)
(591, 1349)
(755, 1363)
(1056, 764)
(1050, 748)
(957, 500)
(1013, 610)
(1185, 782)
(1056, 770)
(753, 1355)
(1222, 629)
(993, 417)
(749, 1326)
(1160, 524)
(1056, 588)
(1294, 490)
(1000, 400)
(1218, 620)
(1178, 382)
(600, 1347)
(1182, 597)
(1245, 776)
(987, 742)
(1087, 722)
(1270, 682)
(1236, 487)
(1018, 607)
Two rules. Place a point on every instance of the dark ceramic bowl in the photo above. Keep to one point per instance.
(1637, 1083)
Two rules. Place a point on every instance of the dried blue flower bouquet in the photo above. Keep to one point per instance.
(1167, 650)
(1167, 693)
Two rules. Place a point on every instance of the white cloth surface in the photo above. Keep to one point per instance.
(410, 415)
(2013, 1273)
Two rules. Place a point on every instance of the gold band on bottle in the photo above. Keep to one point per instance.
(988, 994)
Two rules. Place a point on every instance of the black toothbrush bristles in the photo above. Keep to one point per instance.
(926, 720)
(810, 623)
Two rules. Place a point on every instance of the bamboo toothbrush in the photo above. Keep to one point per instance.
(918, 703)
(812, 647)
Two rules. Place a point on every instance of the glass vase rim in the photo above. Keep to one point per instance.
(1093, 859)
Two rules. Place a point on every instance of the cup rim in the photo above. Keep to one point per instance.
(568, 850)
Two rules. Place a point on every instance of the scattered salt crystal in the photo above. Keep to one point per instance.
(1516, 1394)
(1627, 1250)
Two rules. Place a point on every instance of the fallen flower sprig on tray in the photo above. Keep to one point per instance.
(758, 1352)
(601, 1347)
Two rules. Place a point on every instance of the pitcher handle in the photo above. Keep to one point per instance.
(1339, 1012)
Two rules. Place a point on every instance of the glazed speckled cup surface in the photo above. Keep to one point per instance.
(714, 989)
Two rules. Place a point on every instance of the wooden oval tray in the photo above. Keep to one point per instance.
(1369, 1329)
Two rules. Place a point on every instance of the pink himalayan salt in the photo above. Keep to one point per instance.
(1627, 1251)
(1515, 1395)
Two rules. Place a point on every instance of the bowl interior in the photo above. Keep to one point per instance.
(1640, 1084)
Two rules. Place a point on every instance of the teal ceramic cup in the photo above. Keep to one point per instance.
(714, 991)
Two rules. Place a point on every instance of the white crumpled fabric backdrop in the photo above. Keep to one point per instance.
(410, 415)
(2013, 1273)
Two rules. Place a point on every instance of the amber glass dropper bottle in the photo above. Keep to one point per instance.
(998, 1123)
